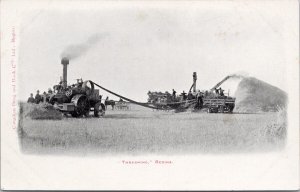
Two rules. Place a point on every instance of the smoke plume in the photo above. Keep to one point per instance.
(77, 50)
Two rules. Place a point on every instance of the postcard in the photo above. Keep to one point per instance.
(149, 95)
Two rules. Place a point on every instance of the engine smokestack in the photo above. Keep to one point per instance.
(194, 81)
(65, 63)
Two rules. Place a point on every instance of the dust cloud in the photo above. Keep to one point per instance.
(254, 95)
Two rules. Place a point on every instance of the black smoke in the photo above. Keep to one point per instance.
(76, 50)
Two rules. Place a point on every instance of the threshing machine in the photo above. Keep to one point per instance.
(214, 100)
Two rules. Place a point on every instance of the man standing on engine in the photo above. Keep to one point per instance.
(50, 91)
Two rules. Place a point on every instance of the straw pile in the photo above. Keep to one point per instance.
(39, 111)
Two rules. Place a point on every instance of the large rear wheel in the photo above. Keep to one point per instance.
(82, 107)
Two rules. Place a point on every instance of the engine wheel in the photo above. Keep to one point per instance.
(99, 109)
(82, 108)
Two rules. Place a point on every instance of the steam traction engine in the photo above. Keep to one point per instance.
(78, 99)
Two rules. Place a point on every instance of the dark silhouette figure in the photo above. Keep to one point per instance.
(221, 92)
(31, 99)
(189, 96)
(174, 94)
(38, 98)
(184, 97)
(217, 91)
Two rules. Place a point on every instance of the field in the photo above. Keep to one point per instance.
(142, 131)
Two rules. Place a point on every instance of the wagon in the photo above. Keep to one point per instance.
(122, 106)
(219, 105)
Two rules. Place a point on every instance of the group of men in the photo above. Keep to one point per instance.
(183, 94)
(219, 92)
(40, 98)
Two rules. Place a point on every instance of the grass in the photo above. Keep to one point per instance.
(140, 131)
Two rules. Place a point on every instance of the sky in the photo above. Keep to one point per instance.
(131, 48)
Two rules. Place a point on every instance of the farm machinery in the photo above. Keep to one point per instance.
(77, 99)
(216, 101)
(213, 101)
(80, 98)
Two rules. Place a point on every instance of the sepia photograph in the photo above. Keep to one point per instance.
(150, 90)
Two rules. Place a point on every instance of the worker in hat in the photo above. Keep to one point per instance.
(217, 91)
(38, 97)
(31, 99)
(184, 95)
(50, 91)
(221, 91)
(190, 95)
(174, 94)
(44, 97)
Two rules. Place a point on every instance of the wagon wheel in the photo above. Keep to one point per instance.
(99, 109)
(74, 114)
(231, 107)
(82, 108)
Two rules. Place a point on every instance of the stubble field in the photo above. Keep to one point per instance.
(142, 131)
